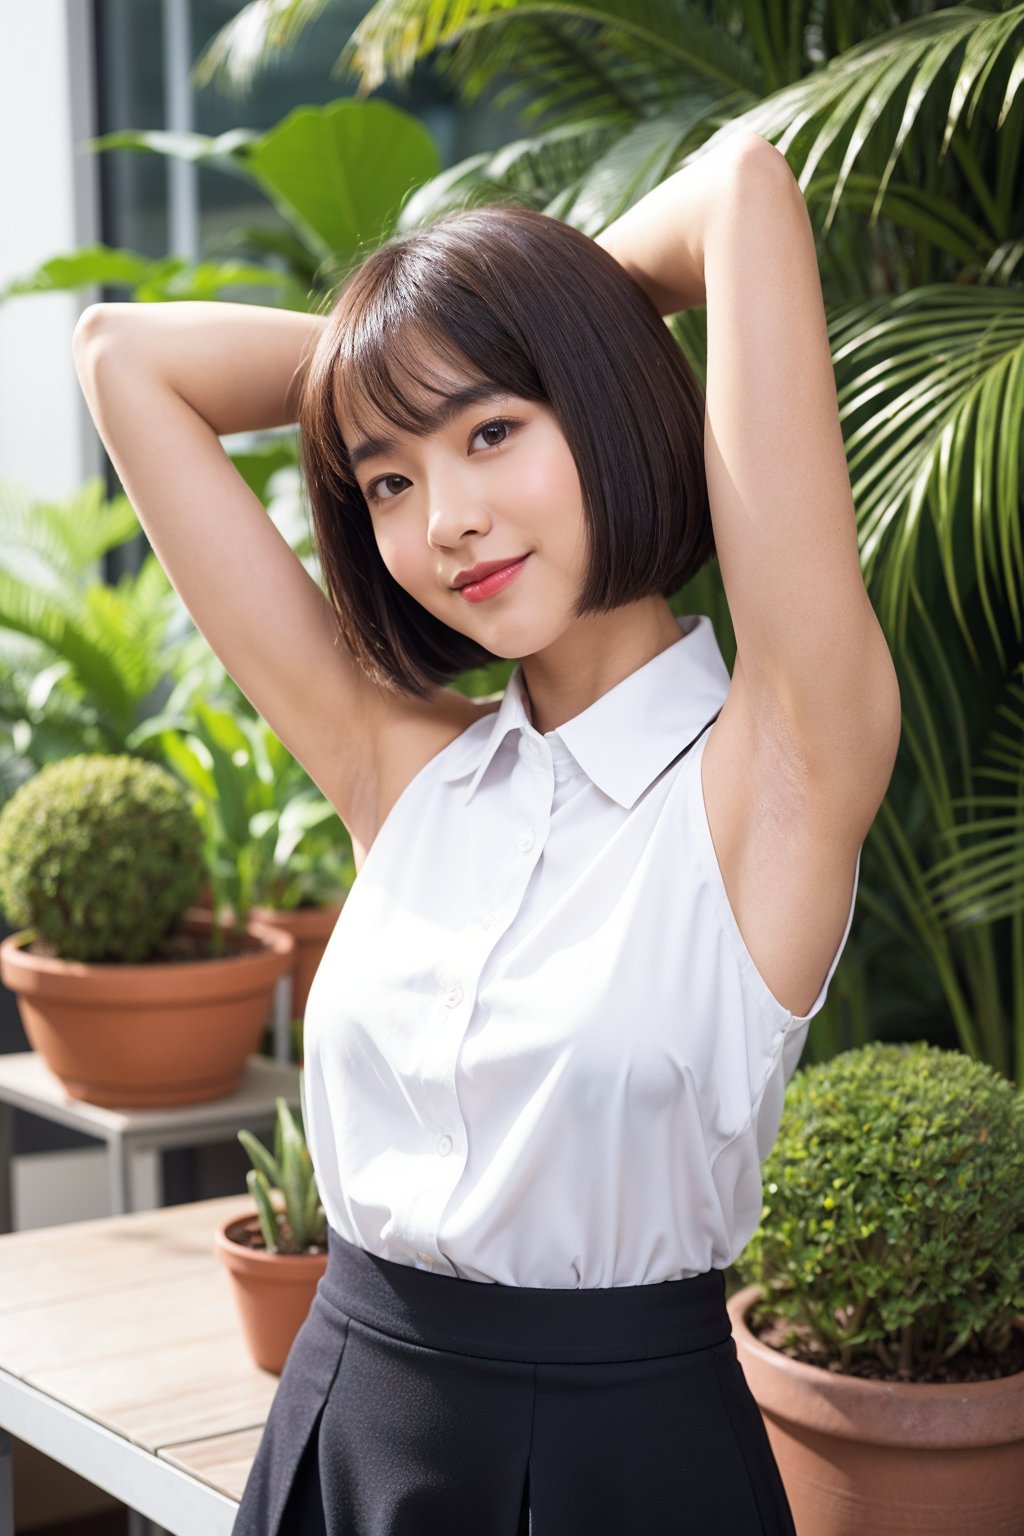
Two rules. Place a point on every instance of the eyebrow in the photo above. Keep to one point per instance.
(444, 414)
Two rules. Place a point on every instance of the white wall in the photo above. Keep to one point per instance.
(49, 205)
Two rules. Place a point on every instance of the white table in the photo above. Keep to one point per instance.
(132, 1135)
(122, 1358)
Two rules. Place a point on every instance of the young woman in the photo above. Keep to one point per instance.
(547, 1046)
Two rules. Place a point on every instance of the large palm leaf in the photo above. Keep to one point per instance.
(970, 58)
(931, 395)
(949, 853)
(581, 44)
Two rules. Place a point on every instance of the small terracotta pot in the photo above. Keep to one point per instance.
(273, 1292)
(877, 1458)
(310, 927)
(149, 1035)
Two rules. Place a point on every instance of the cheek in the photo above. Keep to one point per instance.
(551, 484)
(403, 561)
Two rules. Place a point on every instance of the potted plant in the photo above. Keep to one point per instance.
(881, 1331)
(275, 1254)
(132, 996)
(275, 848)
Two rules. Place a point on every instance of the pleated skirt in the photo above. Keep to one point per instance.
(419, 1404)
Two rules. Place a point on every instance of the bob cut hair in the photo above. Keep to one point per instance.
(506, 295)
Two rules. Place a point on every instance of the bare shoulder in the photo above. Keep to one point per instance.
(406, 737)
(786, 842)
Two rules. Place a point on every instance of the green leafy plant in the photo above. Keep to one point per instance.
(368, 157)
(82, 661)
(78, 657)
(287, 1171)
(892, 1225)
(100, 856)
(270, 837)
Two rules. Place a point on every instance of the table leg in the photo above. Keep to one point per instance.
(6, 1168)
(6, 1485)
(282, 1017)
(140, 1525)
(119, 1176)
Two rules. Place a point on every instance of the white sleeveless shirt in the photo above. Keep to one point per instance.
(537, 1050)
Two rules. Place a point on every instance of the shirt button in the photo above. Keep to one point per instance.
(490, 918)
(777, 1038)
(530, 746)
(525, 841)
(453, 997)
(444, 1146)
(426, 1259)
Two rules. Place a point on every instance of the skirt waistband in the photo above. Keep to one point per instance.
(525, 1323)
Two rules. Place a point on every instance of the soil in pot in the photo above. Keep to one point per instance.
(247, 1233)
(974, 1363)
(175, 946)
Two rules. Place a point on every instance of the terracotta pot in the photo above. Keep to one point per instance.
(273, 1292)
(310, 927)
(877, 1458)
(148, 1036)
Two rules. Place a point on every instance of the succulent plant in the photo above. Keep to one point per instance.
(289, 1169)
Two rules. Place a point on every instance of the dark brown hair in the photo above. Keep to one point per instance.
(512, 296)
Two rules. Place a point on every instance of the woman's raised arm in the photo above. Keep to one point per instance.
(163, 382)
(731, 230)
(237, 365)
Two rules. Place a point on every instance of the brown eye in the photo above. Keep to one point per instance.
(493, 426)
(372, 493)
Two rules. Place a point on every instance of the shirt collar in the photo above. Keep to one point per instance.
(626, 737)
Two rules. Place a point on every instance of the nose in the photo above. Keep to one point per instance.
(454, 515)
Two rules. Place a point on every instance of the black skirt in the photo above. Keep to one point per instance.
(418, 1404)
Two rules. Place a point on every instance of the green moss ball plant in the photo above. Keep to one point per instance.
(892, 1224)
(100, 856)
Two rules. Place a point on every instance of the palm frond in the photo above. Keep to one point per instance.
(634, 164)
(982, 879)
(262, 30)
(956, 50)
(53, 622)
(58, 542)
(395, 34)
(529, 170)
(930, 386)
(920, 211)
(129, 622)
(560, 68)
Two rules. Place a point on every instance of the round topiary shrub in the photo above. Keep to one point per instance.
(892, 1225)
(100, 856)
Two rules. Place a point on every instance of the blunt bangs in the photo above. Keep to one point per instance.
(507, 298)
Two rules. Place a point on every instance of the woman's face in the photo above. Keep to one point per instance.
(495, 483)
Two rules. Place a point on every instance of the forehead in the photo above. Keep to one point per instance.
(369, 443)
(399, 381)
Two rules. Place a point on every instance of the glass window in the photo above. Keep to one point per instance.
(134, 58)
